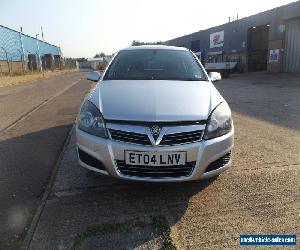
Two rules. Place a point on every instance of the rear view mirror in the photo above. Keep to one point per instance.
(93, 76)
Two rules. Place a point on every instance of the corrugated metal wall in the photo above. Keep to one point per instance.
(292, 46)
(10, 43)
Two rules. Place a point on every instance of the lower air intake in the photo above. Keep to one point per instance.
(156, 172)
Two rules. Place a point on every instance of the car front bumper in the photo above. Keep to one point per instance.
(108, 151)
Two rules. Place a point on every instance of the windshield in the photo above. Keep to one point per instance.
(155, 64)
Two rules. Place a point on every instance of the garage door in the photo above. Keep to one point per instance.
(292, 46)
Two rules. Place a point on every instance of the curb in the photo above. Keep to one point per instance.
(37, 215)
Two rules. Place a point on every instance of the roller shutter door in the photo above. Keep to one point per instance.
(292, 46)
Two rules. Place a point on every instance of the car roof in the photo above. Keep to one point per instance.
(162, 47)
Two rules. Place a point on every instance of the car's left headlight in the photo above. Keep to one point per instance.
(219, 122)
(91, 121)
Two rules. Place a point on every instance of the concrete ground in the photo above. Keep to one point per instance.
(36, 118)
(259, 194)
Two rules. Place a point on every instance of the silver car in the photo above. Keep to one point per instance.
(154, 115)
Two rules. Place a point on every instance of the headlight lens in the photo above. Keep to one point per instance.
(90, 120)
(219, 123)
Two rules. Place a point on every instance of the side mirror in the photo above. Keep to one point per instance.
(93, 76)
(214, 76)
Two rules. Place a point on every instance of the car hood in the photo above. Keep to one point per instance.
(155, 100)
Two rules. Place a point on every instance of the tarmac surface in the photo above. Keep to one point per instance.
(259, 194)
(36, 118)
(49, 202)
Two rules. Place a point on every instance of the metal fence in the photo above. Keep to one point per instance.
(18, 49)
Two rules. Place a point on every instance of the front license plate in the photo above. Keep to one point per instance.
(155, 158)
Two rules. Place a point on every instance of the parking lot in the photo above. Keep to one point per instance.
(258, 194)
(82, 210)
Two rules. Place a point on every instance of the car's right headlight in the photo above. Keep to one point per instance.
(219, 122)
(91, 121)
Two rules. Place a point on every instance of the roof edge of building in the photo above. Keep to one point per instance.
(29, 36)
(220, 25)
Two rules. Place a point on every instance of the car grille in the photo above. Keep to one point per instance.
(155, 172)
(167, 140)
(221, 162)
(181, 138)
(130, 137)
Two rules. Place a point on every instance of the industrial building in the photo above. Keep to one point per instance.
(19, 51)
(268, 41)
